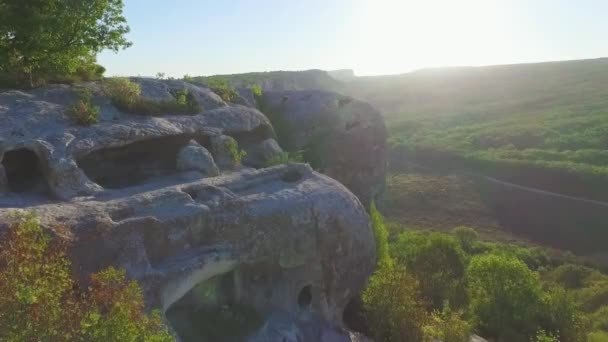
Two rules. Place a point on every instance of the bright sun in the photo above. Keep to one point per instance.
(400, 35)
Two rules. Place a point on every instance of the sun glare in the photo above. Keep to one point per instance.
(397, 36)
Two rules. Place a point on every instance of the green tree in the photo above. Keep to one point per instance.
(43, 37)
(438, 262)
(380, 236)
(40, 300)
(505, 297)
(392, 305)
(448, 326)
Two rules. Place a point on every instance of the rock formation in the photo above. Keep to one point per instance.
(341, 137)
(164, 198)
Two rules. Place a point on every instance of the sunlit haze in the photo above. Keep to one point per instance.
(372, 37)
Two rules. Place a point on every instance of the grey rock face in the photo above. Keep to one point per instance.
(135, 192)
(342, 137)
(44, 150)
(225, 149)
(194, 157)
(259, 154)
(3, 180)
(269, 233)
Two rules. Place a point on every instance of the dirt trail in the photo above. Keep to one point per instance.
(539, 191)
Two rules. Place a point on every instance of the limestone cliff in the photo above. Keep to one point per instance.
(163, 198)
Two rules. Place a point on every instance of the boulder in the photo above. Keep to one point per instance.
(133, 192)
(342, 137)
(277, 240)
(194, 157)
(260, 154)
(226, 151)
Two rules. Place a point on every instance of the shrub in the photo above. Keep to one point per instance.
(466, 236)
(438, 262)
(505, 296)
(221, 87)
(126, 96)
(560, 315)
(83, 112)
(236, 153)
(123, 92)
(447, 326)
(392, 306)
(40, 301)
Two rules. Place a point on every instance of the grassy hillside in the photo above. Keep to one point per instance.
(543, 125)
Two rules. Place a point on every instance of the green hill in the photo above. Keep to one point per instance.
(543, 125)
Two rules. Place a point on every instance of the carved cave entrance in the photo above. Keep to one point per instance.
(133, 164)
(211, 312)
(24, 172)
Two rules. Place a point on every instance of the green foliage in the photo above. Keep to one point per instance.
(438, 262)
(543, 336)
(29, 55)
(447, 326)
(285, 158)
(126, 96)
(187, 78)
(221, 87)
(392, 305)
(561, 316)
(505, 296)
(39, 301)
(83, 112)
(467, 237)
(381, 237)
(235, 152)
(256, 89)
(597, 336)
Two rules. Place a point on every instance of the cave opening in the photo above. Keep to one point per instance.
(135, 163)
(23, 171)
(212, 312)
(305, 297)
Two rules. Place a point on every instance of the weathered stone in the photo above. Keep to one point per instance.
(225, 150)
(171, 238)
(194, 157)
(342, 137)
(35, 121)
(272, 236)
(259, 154)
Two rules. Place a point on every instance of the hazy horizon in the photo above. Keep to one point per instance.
(372, 38)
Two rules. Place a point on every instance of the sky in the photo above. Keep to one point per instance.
(372, 37)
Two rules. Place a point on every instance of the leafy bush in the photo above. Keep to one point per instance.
(123, 92)
(235, 152)
(438, 262)
(560, 315)
(221, 87)
(447, 326)
(126, 96)
(505, 296)
(83, 112)
(392, 305)
(40, 301)
(467, 237)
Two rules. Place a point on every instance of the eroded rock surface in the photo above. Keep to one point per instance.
(142, 193)
(341, 136)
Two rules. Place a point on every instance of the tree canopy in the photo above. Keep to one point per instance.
(45, 38)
